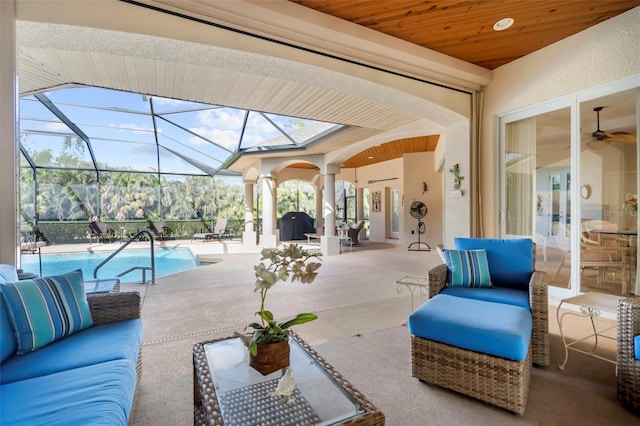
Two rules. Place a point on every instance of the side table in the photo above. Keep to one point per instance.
(591, 305)
(413, 283)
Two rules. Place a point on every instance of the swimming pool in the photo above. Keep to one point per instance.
(168, 261)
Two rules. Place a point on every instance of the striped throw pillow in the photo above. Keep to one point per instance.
(467, 268)
(43, 310)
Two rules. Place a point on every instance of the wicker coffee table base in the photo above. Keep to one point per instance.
(494, 380)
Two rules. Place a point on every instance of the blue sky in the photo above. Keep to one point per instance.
(120, 128)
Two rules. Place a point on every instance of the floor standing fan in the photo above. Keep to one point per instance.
(418, 210)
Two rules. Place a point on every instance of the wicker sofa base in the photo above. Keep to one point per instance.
(494, 380)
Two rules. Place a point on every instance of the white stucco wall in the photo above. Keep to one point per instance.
(418, 169)
(604, 53)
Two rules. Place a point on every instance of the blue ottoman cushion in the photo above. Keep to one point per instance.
(508, 296)
(491, 328)
(636, 346)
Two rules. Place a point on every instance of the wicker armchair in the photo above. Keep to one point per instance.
(538, 300)
(628, 364)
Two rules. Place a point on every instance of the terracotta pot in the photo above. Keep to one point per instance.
(270, 357)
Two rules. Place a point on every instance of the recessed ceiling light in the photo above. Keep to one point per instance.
(370, 158)
(503, 24)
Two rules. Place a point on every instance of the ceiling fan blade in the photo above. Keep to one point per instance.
(621, 137)
(597, 144)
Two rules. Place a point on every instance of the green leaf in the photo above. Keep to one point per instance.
(255, 326)
(300, 319)
(265, 315)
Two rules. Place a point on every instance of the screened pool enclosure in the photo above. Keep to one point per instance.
(128, 159)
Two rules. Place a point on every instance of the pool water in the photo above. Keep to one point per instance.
(168, 261)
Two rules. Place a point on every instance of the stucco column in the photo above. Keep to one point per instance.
(8, 138)
(329, 242)
(329, 204)
(248, 206)
(360, 210)
(319, 211)
(249, 234)
(268, 237)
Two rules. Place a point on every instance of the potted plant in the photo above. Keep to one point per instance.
(269, 344)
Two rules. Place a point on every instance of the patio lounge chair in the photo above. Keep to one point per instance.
(99, 230)
(219, 230)
(159, 229)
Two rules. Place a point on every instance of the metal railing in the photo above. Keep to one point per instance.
(144, 269)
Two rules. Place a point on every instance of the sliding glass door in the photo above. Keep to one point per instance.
(569, 181)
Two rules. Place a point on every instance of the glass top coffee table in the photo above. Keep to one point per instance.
(227, 391)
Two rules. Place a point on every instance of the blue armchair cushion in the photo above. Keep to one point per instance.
(467, 268)
(485, 327)
(99, 394)
(636, 346)
(511, 262)
(43, 310)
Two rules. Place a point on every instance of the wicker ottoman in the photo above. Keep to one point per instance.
(493, 379)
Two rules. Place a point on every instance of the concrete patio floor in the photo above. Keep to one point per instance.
(354, 293)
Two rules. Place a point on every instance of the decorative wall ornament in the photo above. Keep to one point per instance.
(376, 201)
(455, 171)
(425, 188)
(539, 207)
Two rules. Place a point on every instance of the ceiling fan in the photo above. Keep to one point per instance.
(600, 139)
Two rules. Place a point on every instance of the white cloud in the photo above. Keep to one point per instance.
(222, 118)
(226, 138)
(56, 127)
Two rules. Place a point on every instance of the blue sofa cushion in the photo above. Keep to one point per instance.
(8, 345)
(510, 261)
(99, 394)
(636, 346)
(8, 273)
(43, 310)
(508, 296)
(485, 327)
(467, 268)
(100, 343)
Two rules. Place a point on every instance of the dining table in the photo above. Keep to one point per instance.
(627, 241)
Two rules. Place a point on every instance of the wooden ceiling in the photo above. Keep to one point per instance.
(392, 150)
(464, 29)
(385, 152)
